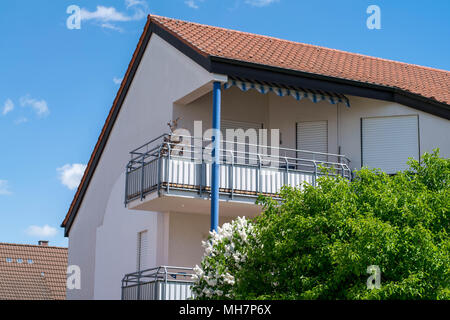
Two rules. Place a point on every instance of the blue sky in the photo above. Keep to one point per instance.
(57, 85)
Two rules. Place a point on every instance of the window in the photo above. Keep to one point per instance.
(19, 260)
(242, 152)
(30, 261)
(9, 260)
(312, 136)
(142, 251)
(388, 142)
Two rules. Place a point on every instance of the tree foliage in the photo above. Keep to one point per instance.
(318, 242)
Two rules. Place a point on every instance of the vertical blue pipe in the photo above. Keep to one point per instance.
(216, 156)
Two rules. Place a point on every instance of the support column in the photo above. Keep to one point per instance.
(215, 174)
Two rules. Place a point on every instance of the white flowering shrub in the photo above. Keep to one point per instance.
(225, 252)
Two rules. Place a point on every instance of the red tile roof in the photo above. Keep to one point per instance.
(236, 45)
(210, 41)
(41, 275)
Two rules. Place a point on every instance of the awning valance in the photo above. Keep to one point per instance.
(297, 93)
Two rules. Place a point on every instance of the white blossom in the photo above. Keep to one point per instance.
(229, 244)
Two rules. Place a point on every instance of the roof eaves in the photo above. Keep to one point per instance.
(343, 85)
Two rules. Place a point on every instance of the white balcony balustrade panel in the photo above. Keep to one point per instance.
(179, 172)
(271, 181)
(244, 179)
(296, 179)
(239, 178)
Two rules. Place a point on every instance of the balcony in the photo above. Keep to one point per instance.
(173, 173)
(160, 283)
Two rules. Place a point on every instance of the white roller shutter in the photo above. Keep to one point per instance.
(142, 251)
(387, 142)
(232, 124)
(312, 136)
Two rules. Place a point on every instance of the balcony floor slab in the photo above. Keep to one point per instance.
(192, 202)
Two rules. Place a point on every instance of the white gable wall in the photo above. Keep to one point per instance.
(164, 76)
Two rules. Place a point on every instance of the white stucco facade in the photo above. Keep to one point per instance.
(168, 85)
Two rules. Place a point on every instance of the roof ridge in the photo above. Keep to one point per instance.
(31, 245)
(304, 44)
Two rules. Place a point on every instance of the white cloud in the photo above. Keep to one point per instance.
(71, 174)
(21, 120)
(131, 3)
(39, 106)
(117, 80)
(42, 232)
(260, 3)
(195, 4)
(8, 106)
(111, 26)
(104, 14)
(191, 4)
(4, 188)
(111, 14)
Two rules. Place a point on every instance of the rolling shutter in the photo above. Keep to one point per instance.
(232, 124)
(142, 251)
(312, 136)
(387, 142)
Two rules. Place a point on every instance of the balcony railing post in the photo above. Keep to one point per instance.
(126, 186)
(315, 173)
(142, 177)
(202, 169)
(168, 167)
(232, 175)
(165, 284)
(259, 184)
(286, 172)
(139, 286)
(159, 173)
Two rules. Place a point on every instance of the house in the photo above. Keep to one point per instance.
(148, 199)
(32, 272)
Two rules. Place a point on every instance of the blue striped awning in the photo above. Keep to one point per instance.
(297, 93)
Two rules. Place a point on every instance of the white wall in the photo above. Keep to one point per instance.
(116, 253)
(164, 76)
(186, 233)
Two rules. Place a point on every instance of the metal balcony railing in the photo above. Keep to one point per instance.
(160, 283)
(175, 162)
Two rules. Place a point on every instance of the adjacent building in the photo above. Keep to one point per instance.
(32, 272)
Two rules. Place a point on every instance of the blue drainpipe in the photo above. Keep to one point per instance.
(216, 156)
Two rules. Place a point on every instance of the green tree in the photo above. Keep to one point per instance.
(318, 242)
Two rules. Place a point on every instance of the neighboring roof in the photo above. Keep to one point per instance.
(40, 276)
(257, 57)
